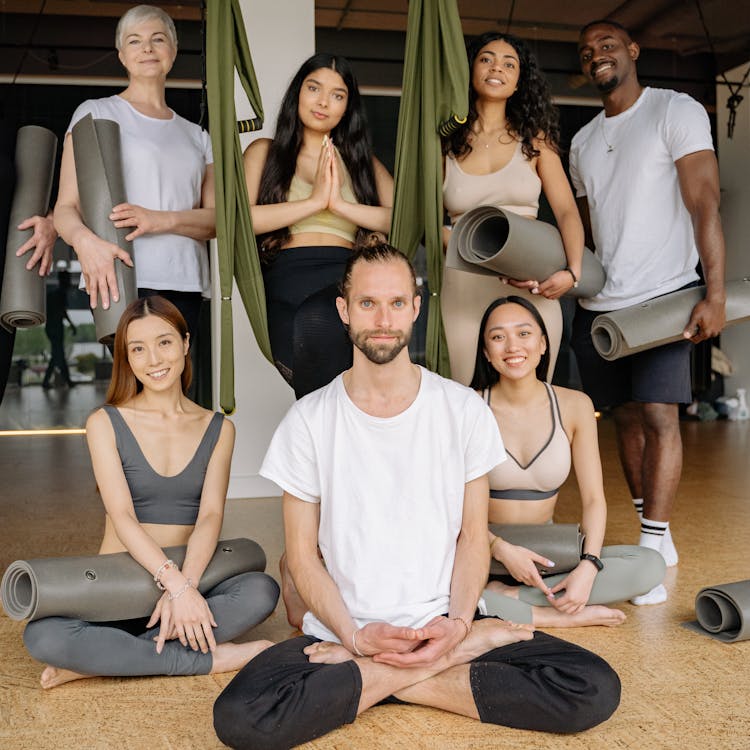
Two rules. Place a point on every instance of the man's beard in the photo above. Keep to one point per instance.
(604, 87)
(380, 353)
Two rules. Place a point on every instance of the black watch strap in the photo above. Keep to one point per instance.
(598, 564)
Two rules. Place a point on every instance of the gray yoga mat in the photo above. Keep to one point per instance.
(560, 542)
(494, 242)
(23, 301)
(661, 320)
(723, 612)
(101, 186)
(101, 588)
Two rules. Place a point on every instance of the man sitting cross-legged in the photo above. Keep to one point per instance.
(384, 470)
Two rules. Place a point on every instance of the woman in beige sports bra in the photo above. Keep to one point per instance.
(312, 189)
(505, 155)
(543, 428)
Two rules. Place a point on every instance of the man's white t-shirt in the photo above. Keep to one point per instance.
(164, 163)
(641, 228)
(391, 493)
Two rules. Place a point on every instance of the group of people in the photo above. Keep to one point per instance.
(390, 473)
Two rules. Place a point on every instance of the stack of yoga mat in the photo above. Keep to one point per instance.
(23, 302)
(723, 612)
(491, 241)
(103, 588)
(101, 186)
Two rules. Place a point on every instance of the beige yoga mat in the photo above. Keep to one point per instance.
(23, 302)
(495, 242)
(661, 320)
(101, 588)
(723, 612)
(101, 186)
(560, 542)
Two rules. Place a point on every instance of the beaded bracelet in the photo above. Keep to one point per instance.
(466, 626)
(163, 568)
(177, 594)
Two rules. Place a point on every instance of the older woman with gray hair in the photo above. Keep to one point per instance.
(169, 180)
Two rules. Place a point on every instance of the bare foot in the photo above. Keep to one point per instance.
(52, 677)
(229, 657)
(326, 652)
(491, 633)
(295, 607)
(593, 614)
(502, 588)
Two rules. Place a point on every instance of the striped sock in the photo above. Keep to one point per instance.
(667, 549)
(652, 533)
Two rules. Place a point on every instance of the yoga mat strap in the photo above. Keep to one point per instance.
(661, 320)
(101, 588)
(492, 241)
(560, 542)
(23, 302)
(723, 611)
(101, 186)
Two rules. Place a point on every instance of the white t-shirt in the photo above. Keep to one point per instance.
(164, 162)
(641, 228)
(391, 493)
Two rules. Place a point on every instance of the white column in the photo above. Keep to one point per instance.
(734, 165)
(281, 35)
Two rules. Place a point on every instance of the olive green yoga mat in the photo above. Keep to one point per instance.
(723, 612)
(494, 242)
(560, 542)
(23, 298)
(101, 186)
(661, 320)
(101, 588)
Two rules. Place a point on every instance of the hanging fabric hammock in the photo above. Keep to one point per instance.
(227, 50)
(434, 99)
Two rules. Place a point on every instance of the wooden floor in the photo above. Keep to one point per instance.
(680, 690)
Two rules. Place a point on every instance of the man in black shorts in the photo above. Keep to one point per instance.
(647, 186)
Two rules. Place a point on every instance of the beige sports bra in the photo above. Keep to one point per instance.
(515, 187)
(544, 474)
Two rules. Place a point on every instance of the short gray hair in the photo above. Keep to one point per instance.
(141, 13)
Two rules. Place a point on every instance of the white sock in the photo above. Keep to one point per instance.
(657, 595)
(652, 533)
(667, 548)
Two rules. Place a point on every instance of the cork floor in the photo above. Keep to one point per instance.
(680, 690)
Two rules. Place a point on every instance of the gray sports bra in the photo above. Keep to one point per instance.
(156, 498)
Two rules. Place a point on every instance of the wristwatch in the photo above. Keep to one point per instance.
(598, 564)
(575, 278)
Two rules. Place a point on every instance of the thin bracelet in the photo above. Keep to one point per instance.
(354, 644)
(177, 594)
(465, 624)
(163, 568)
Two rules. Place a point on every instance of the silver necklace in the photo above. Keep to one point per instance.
(610, 147)
(503, 132)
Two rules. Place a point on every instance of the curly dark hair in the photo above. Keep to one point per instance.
(485, 375)
(350, 136)
(529, 111)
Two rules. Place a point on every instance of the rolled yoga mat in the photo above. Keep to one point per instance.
(495, 242)
(101, 588)
(723, 612)
(560, 542)
(101, 186)
(23, 301)
(661, 320)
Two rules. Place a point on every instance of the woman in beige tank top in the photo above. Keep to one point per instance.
(505, 155)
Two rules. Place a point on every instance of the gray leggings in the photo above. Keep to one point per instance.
(113, 650)
(629, 570)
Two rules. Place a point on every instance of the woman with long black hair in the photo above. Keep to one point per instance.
(505, 155)
(312, 189)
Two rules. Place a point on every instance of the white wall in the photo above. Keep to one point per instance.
(734, 164)
(281, 34)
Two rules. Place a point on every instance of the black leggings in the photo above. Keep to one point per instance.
(309, 343)
(280, 699)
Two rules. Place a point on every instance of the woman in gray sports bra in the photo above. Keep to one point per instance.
(542, 429)
(161, 463)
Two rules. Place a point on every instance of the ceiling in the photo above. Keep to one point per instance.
(666, 26)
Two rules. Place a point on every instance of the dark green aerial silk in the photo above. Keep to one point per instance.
(227, 50)
(434, 98)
